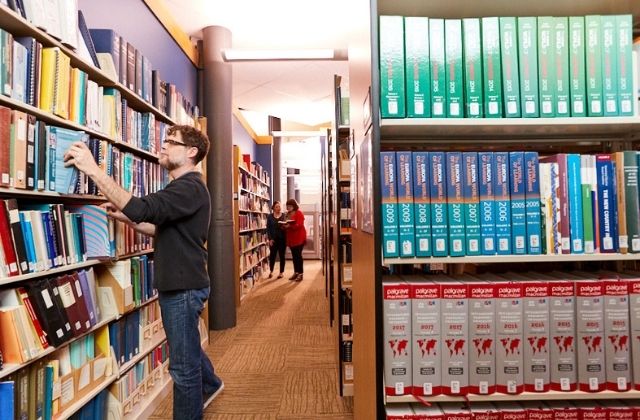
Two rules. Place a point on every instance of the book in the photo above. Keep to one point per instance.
(454, 68)
(607, 203)
(621, 220)
(392, 82)
(10, 206)
(438, 68)
(532, 203)
(510, 69)
(106, 41)
(517, 173)
(438, 192)
(610, 74)
(18, 150)
(586, 172)
(7, 398)
(574, 195)
(577, 66)
(528, 56)
(422, 203)
(417, 74)
(563, 199)
(472, 53)
(625, 65)
(96, 231)
(389, 209)
(547, 66)
(470, 188)
(486, 188)
(5, 146)
(491, 67)
(502, 203)
(406, 221)
(593, 30)
(562, 78)
(455, 213)
(631, 202)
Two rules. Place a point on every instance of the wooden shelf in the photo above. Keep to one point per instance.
(142, 305)
(130, 363)
(254, 266)
(478, 130)
(135, 254)
(525, 396)
(243, 169)
(242, 189)
(244, 251)
(253, 211)
(19, 26)
(47, 273)
(252, 230)
(51, 194)
(150, 402)
(10, 368)
(496, 259)
(73, 408)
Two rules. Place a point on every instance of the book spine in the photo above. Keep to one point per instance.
(487, 202)
(595, 203)
(547, 69)
(492, 70)
(418, 80)
(532, 203)
(438, 68)
(518, 203)
(577, 66)
(593, 25)
(438, 193)
(390, 233)
(472, 54)
(528, 55)
(632, 201)
(624, 38)
(455, 200)
(610, 72)
(587, 207)
(471, 203)
(455, 68)
(606, 200)
(405, 204)
(561, 61)
(621, 219)
(422, 203)
(545, 208)
(510, 71)
(502, 203)
(392, 84)
(576, 223)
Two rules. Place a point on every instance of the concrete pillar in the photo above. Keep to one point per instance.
(217, 108)
(276, 177)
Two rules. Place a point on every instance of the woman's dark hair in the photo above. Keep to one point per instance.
(274, 204)
(293, 203)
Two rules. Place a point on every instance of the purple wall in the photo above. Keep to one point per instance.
(133, 20)
(242, 139)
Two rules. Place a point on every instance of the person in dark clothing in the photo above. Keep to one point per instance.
(296, 237)
(178, 217)
(276, 237)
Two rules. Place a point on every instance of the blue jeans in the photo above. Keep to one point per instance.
(190, 368)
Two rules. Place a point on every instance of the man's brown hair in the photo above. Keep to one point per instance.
(192, 137)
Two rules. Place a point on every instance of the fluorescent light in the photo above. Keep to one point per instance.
(282, 55)
(318, 133)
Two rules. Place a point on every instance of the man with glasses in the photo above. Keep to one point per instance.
(178, 218)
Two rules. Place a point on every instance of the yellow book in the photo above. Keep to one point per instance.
(61, 91)
(102, 342)
(74, 95)
(55, 406)
(49, 69)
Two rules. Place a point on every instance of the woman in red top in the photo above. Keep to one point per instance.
(296, 237)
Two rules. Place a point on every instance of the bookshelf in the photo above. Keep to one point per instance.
(525, 396)
(16, 25)
(374, 134)
(252, 206)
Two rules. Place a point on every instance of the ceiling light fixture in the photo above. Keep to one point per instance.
(283, 55)
(306, 134)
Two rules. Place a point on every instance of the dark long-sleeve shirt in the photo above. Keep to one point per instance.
(274, 231)
(181, 213)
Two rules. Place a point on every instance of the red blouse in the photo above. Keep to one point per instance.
(296, 232)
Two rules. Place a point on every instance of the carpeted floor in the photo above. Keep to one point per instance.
(280, 362)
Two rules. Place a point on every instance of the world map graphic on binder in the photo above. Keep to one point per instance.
(96, 231)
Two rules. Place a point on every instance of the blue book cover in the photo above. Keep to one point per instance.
(406, 223)
(606, 203)
(20, 71)
(502, 202)
(47, 404)
(455, 202)
(390, 227)
(574, 187)
(518, 210)
(438, 194)
(107, 41)
(532, 200)
(7, 398)
(54, 261)
(27, 233)
(97, 239)
(422, 203)
(486, 190)
(63, 179)
(470, 192)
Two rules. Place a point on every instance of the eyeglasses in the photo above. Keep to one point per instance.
(175, 143)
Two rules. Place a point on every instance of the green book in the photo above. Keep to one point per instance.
(438, 69)
(472, 68)
(563, 85)
(610, 65)
(546, 62)
(528, 57)
(491, 67)
(455, 68)
(416, 52)
(577, 69)
(510, 73)
(392, 86)
(593, 28)
(625, 65)
(632, 200)
(586, 170)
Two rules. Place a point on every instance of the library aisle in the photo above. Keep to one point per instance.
(279, 362)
